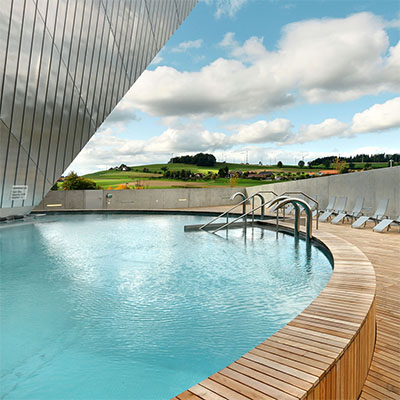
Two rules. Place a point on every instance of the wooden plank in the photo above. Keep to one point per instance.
(205, 393)
(188, 396)
(281, 386)
(256, 384)
(284, 377)
(245, 390)
(222, 390)
(281, 367)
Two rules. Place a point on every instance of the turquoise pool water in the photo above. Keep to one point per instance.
(131, 307)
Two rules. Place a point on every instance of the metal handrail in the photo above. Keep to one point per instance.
(262, 199)
(242, 216)
(268, 191)
(283, 200)
(310, 198)
(228, 211)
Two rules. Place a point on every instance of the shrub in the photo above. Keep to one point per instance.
(75, 182)
(223, 172)
(340, 165)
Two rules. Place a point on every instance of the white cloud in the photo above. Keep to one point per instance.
(317, 60)
(184, 46)
(331, 127)
(229, 40)
(252, 51)
(379, 117)
(278, 130)
(228, 7)
(121, 115)
(394, 23)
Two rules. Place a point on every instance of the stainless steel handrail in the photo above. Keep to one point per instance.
(228, 211)
(262, 200)
(242, 216)
(310, 198)
(283, 200)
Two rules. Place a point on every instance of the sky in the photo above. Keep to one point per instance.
(262, 80)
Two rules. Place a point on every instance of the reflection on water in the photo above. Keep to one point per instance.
(120, 306)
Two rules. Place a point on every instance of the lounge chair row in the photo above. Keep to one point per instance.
(336, 211)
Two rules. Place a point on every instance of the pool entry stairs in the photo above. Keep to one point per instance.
(281, 203)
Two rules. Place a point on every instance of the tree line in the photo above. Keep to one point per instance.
(359, 158)
(200, 159)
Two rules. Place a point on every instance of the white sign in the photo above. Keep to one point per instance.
(19, 192)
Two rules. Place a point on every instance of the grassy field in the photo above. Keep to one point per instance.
(154, 173)
(147, 174)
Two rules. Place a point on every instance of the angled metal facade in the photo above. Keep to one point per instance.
(64, 66)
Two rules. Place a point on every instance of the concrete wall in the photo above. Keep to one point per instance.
(372, 185)
(137, 199)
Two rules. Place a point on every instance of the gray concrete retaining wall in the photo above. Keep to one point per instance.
(137, 199)
(373, 185)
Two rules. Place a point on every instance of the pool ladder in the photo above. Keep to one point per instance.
(276, 204)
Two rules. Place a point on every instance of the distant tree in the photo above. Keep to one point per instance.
(326, 163)
(204, 160)
(301, 164)
(279, 164)
(75, 182)
(55, 186)
(223, 172)
(200, 159)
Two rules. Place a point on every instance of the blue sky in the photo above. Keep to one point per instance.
(276, 80)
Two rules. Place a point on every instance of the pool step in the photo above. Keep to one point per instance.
(213, 227)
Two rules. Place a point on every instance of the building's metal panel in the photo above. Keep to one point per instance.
(64, 65)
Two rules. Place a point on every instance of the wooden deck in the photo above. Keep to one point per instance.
(325, 352)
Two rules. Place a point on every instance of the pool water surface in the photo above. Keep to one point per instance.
(131, 306)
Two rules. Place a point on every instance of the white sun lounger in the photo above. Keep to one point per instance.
(341, 205)
(312, 204)
(289, 208)
(329, 207)
(352, 214)
(378, 216)
(385, 223)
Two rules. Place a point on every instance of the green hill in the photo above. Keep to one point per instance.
(154, 172)
(151, 176)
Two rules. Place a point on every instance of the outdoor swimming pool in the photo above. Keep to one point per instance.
(130, 306)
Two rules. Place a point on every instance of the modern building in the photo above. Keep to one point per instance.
(64, 66)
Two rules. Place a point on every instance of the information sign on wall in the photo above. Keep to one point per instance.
(19, 192)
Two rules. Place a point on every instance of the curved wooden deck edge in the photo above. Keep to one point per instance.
(324, 353)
